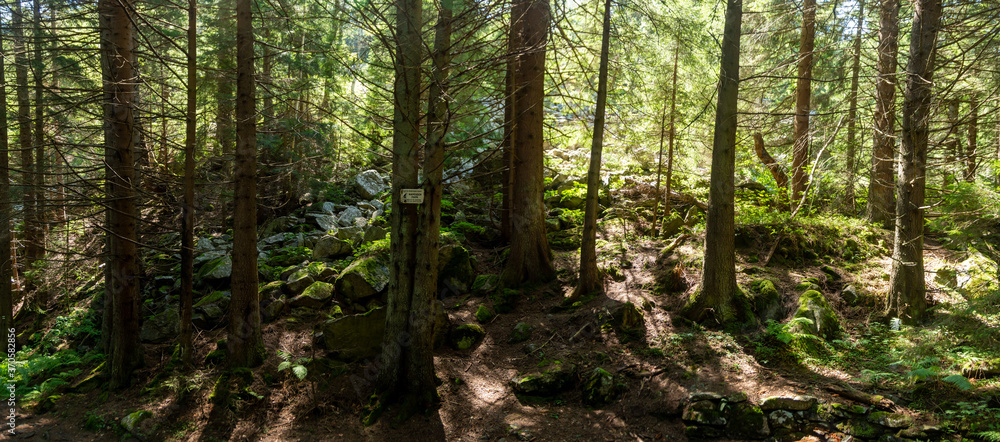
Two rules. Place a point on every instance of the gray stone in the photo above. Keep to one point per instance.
(354, 234)
(704, 413)
(273, 240)
(273, 310)
(369, 184)
(331, 247)
(328, 207)
(850, 294)
(374, 233)
(793, 403)
(704, 396)
(161, 328)
(378, 205)
(346, 218)
(781, 419)
(323, 221)
(315, 296)
(278, 225)
(354, 337)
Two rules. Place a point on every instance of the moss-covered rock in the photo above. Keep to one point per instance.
(805, 286)
(365, 277)
(136, 423)
(890, 420)
(442, 325)
(354, 337)
(315, 296)
(556, 378)
(705, 412)
(629, 319)
(331, 247)
(746, 421)
(822, 319)
(601, 388)
(484, 314)
(520, 333)
(298, 281)
(766, 300)
(793, 403)
(831, 273)
(218, 269)
(272, 290)
(466, 336)
(274, 310)
(162, 327)
(454, 269)
(861, 428)
(485, 284)
(504, 300)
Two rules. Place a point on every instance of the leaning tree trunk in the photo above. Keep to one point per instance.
(852, 137)
(780, 178)
(800, 148)
(120, 90)
(881, 195)
(530, 259)
(590, 277)
(906, 280)
(717, 299)
(245, 347)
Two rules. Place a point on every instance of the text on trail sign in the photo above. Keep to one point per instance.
(411, 196)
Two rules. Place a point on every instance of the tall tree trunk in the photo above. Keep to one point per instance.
(6, 294)
(41, 298)
(852, 143)
(800, 148)
(970, 153)
(403, 217)
(224, 124)
(659, 172)
(953, 144)
(590, 277)
(881, 194)
(245, 347)
(530, 259)
(187, 218)
(670, 150)
(26, 147)
(507, 145)
(906, 281)
(717, 299)
(125, 350)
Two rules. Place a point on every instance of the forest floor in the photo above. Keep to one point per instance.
(660, 368)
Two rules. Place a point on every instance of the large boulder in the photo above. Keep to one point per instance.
(161, 328)
(331, 247)
(454, 269)
(369, 184)
(766, 300)
(822, 319)
(365, 277)
(354, 337)
(324, 221)
(354, 234)
(217, 269)
(299, 280)
(315, 296)
(278, 225)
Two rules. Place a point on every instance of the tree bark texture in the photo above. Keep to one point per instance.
(780, 178)
(852, 136)
(973, 135)
(403, 218)
(881, 188)
(224, 124)
(26, 145)
(800, 147)
(717, 298)
(590, 277)
(906, 280)
(530, 259)
(6, 292)
(187, 218)
(41, 297)
(125, 351)
(245, 347)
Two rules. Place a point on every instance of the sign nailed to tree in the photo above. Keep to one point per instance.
(411, 196)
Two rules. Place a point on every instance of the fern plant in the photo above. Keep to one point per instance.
(298, 366)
